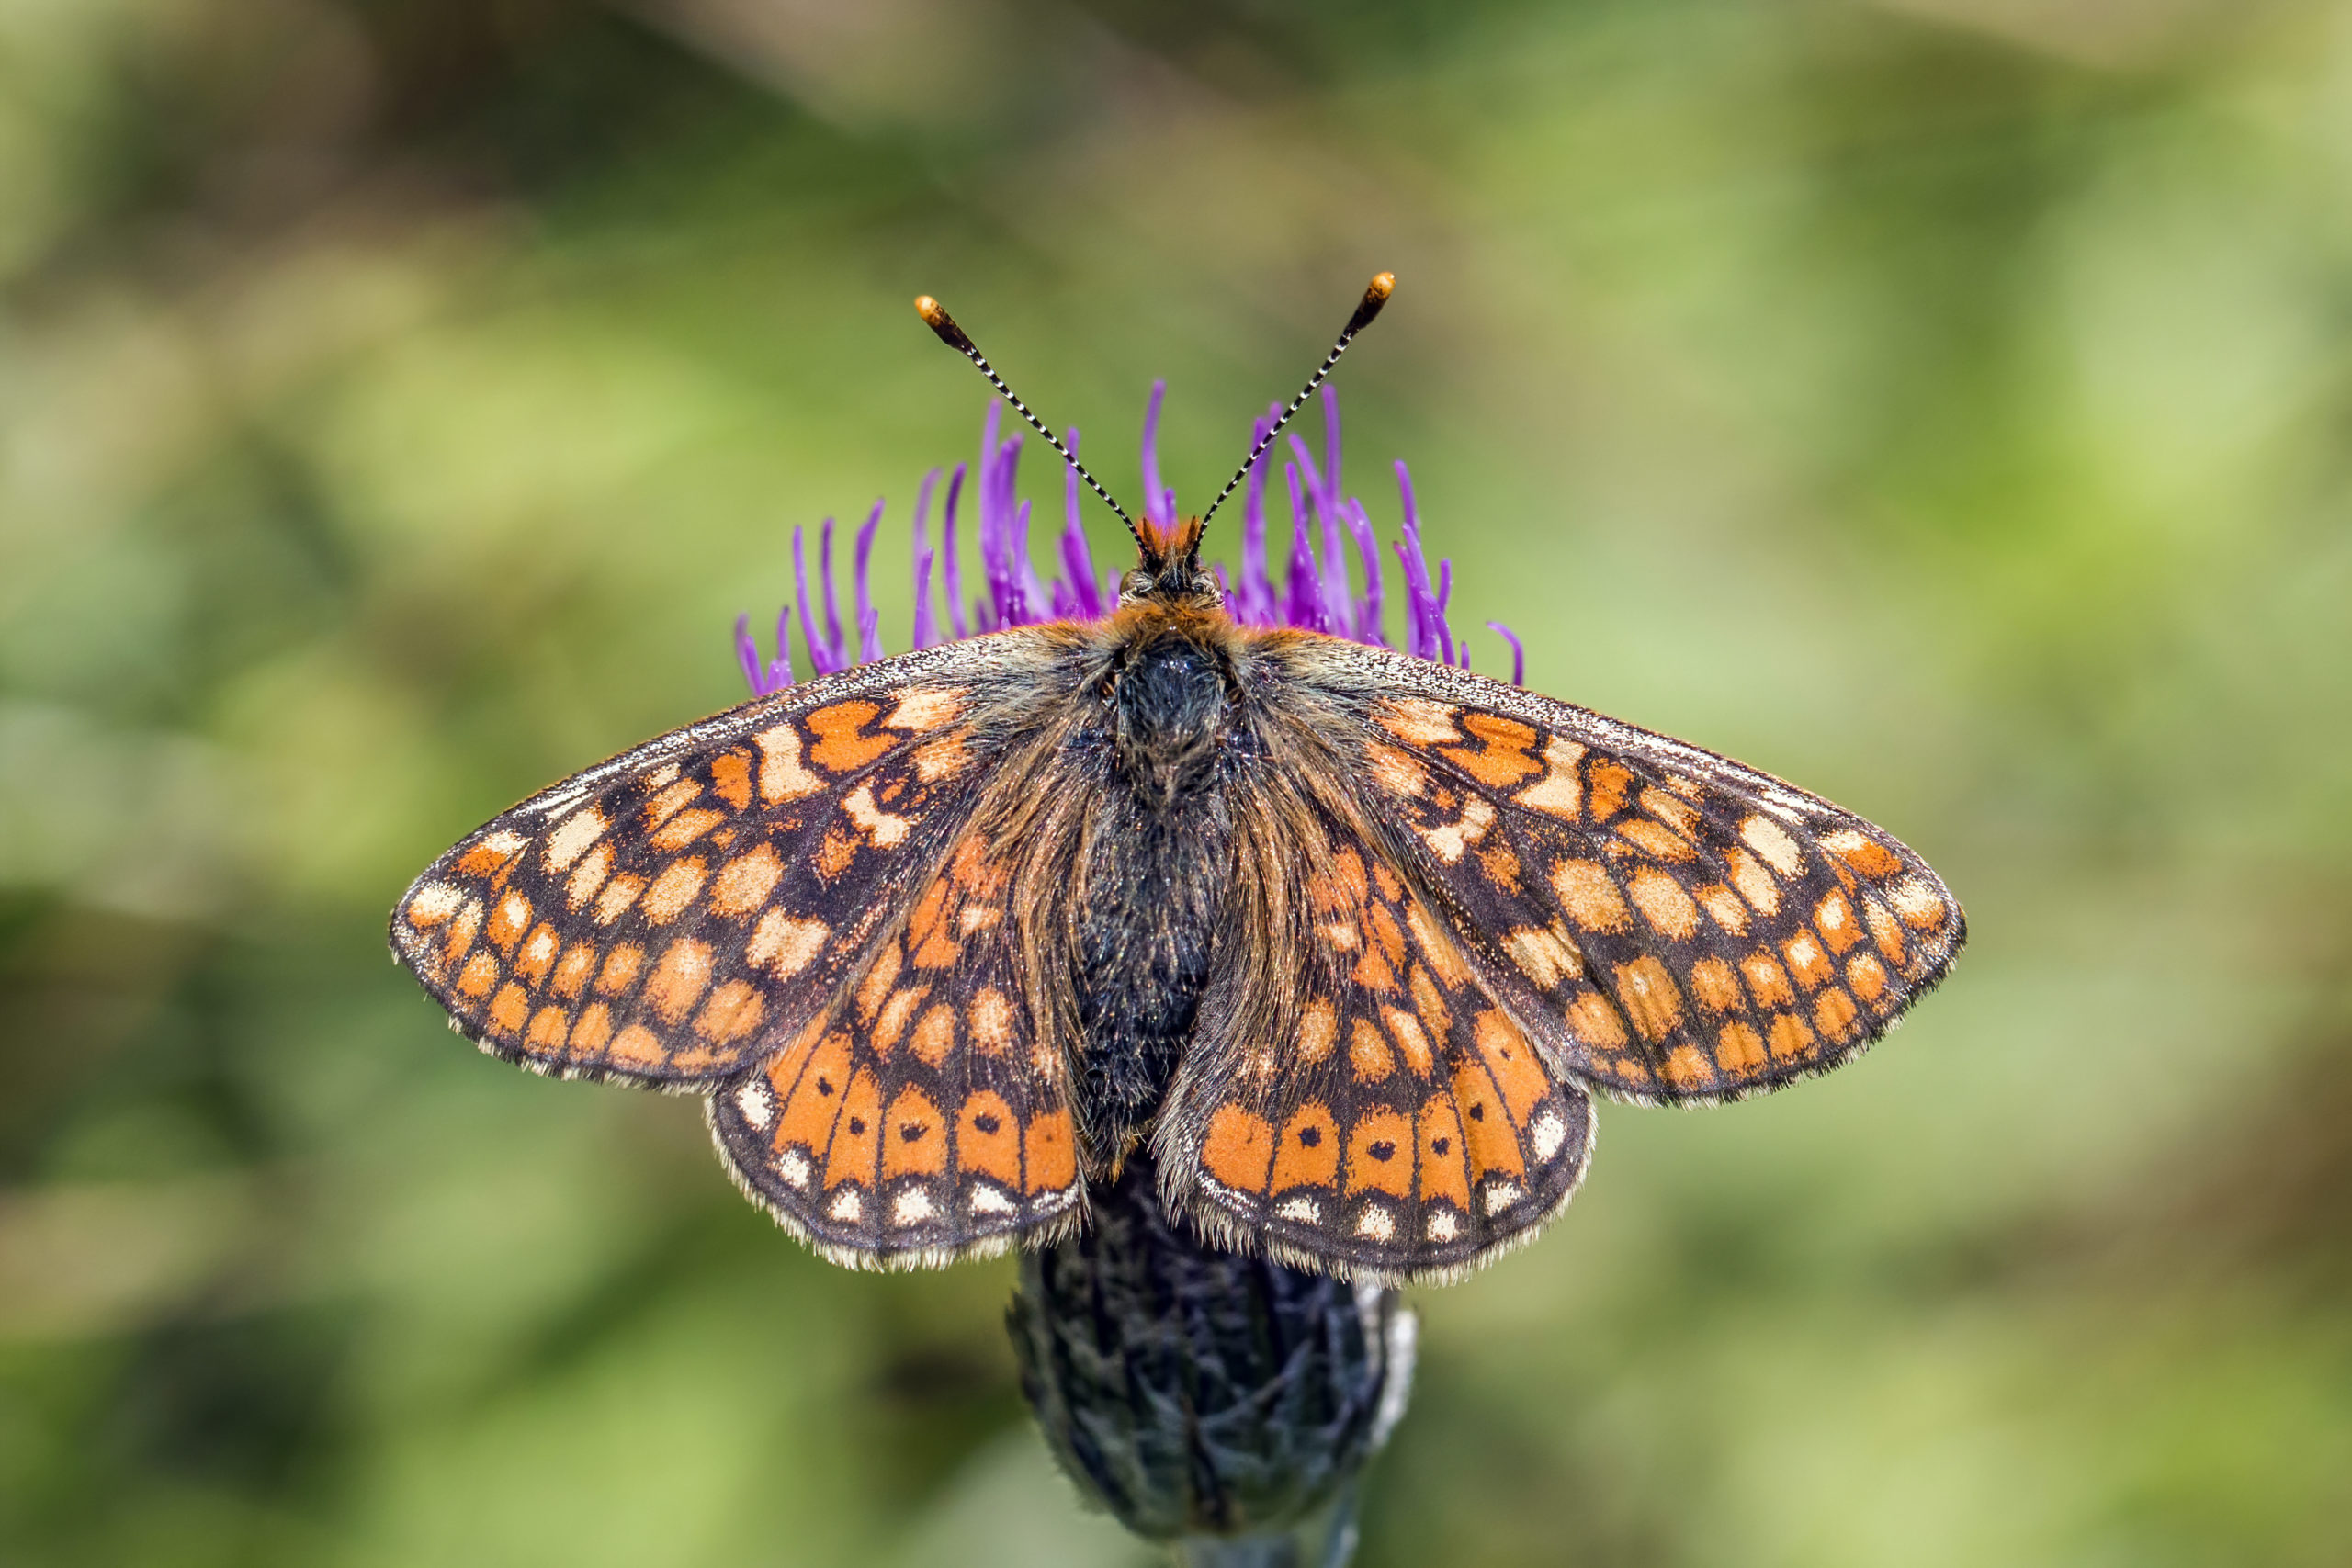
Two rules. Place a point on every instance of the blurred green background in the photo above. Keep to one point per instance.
(1944, 403)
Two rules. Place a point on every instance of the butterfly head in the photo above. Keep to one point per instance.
(1168, 571)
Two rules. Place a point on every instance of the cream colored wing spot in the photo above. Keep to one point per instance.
(785, 946)
(1768, 839)
(926, 709)
(1448, 842)
(881, 829)
(1560, 792)
(1419, 721)
(570, 839)
(434, 902)
(782, 776)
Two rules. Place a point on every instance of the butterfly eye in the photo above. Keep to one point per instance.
(1135, 585)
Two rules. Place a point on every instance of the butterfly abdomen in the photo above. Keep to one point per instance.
(1157, 857)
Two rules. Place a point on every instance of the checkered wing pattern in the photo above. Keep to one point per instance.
(668, 917)
(1670, 925)
(1376, 1111)
(926, 1116)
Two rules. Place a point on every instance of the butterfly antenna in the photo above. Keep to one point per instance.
(934, 316)
(1376, 295)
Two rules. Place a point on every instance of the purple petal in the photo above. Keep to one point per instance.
(747, 654)
(951, 569)
(922, 628)
(1518, 652)
(1077, 559)
(1158, 506)
(870, 620)
(839, 649)
(820, 660)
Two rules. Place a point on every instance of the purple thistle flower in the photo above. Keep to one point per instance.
(1320, 592)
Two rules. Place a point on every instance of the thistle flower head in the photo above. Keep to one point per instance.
(1333, 581)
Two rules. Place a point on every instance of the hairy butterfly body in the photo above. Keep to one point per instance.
(1351, 938)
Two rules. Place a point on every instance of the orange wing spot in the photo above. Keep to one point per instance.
(991, 1021)
(1560, 792)
(1716, 986)
(1445, 1163)
(1685, 1068)
(813, 1102)
(744, 883)
(677, 981)
(1436, 947)
(1739, 1050)
(622, 966)
(462, 932)
(1608, 785)
(935, 1035)
(549, 1026)
(732, 1013)
(926, 707)
(1319, 1029)
(1049, 1152)
(491, 854)
(1307, 1154)
(593, 1028)
(1543, 956)
(988, 1138)
(1648, 995)
(731, 777)
(1372, 971)
(1807, 962)
(875, 989)
(856, 1149)
(783, 776)
(1677, 813)
(842, 744)
(478, 976)
(673, 891)
(942, 757)
(1766, 981)
(1884, 932)
(1436, 1017)
(1501, 867)
(1398, 772)
(1500, 758)
(914, 1136)
(588, 876)
(1725, 908)
(1863, 853)
(1411, 1040)
(1592, 1020)
(1380, 1155)
(539, 953)
(1510, 1062)
(637, 1047)
(684, 828)
(1386, 880)
(1790, 1036)
(433, 903)
(1385, 928)
(1834, 1013)
(1771, 840)
(1835, 918)
(896, 1013)
(617, 896)
(1867, 977)
(1755, 882)
(1418, 721)
(785, 946)
(1663, 903)
(1493, 1147)
(1656, 839)
(509, 1008)
(1589, 895)
(1919, 904)
(929, 933)
(1368, 1054)
(670, 802)
(1239, 1149)
(509, 919)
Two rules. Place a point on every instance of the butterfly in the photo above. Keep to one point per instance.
(1345, 939)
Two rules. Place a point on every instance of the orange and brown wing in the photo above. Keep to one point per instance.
(675, 914)
(927, 1116)
(1670, 925)
(1393, 1122)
